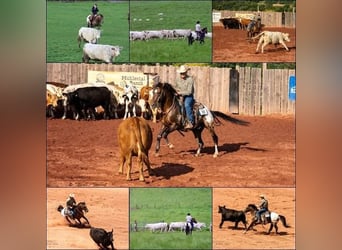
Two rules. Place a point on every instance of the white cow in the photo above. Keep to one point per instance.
(274, 37)
(199, 225)
(153, 34)
(177, 225)
(181, 33)
(89, 35)
(137, 35)
(162, 226)
(106, 53)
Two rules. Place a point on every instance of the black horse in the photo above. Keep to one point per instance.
(201, 35)
(232, 215)
(267, 217)
(78, 214)
(188, 226)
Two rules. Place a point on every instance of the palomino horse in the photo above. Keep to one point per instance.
(188, 226)
(164, 97)
(267, 217)
(96, 21)
(253, 28)
(78, 211)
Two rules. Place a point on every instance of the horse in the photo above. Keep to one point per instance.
(165, 98)
(97, 20)
(188, 226)
(201, 36)
(253, 28)
(78, 213)
(267, 217)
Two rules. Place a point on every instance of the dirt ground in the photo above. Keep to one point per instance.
(231, 45)
(281, 201)
(108, 209)
(262, 154)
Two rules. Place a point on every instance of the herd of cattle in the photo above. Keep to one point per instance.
(173, 226)
(92, 101)
(94, 51)
(164, 34)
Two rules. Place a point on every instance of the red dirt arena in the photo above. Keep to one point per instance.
(281, 201)
(262, 154)
(108, 209)
(231, 45)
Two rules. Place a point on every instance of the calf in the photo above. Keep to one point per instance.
(232, 215)
(102, 238)
(130, 100)
(274, 37)
(135, 139)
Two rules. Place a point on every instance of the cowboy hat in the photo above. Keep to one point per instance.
(71, 195)
(182, 69)
(262, 196)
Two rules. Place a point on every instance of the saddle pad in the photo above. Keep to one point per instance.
(203, 111)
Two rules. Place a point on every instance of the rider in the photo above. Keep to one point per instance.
(94, 11)
(188, 219)
(263, 207)
(185, 87)
(198, 30)
(253, 21)
(70, 204)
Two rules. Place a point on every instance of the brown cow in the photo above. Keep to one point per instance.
(135, 139)
(145, 102)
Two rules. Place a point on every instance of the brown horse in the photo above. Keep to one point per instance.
(95, 21)
(165, 98)
(254, 28)
(78, 213)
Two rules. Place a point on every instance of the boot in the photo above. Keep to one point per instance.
(188, 126)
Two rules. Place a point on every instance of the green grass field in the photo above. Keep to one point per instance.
(150, 205)
(158, 15)
(65, 19)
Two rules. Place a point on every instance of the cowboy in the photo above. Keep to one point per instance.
(263, 207)
(198, 30)
(188, 219)
(185, 87)
(94, 11)
(70, 205)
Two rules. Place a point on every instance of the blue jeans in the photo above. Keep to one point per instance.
(258, 214)
(188, 104)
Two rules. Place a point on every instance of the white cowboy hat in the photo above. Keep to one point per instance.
(262, 196)
(71, 195)
(182, 69)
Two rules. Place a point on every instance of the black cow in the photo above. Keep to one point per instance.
(232, 215)
(230, 23)
(102, 238)
(83, 101)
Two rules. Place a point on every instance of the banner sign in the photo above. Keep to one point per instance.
(292, 88)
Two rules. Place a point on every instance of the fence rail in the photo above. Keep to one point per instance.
(269, 19)
(260, 91)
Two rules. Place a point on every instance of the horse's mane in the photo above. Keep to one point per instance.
(253, 206)
(169, 87)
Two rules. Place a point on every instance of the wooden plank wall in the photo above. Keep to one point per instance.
(262, 91)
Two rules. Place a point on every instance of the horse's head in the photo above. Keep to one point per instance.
(205, 30)
(251, 208)
(163, 95)
(194, 220)
(82, 206)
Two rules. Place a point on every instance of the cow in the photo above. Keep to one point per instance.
(102, 238)
(54, 99)
(230, 23)
(181, 33)
(177, 225)
(137, 35)
(135, 139)
(274, 37)
(162, 226)
(89, 35)
(86, 99)
(144, 102)
(199, 225)
(232, 215)
(131, 96)
(153, 34)
(102, 52)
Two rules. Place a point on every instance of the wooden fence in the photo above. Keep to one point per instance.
(269, 19)
(257, 91)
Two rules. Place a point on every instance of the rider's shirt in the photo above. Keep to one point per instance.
(185, 86)
(263, 204)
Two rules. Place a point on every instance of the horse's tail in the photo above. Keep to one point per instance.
(283, 220)
(60, 208)
(228, 118)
